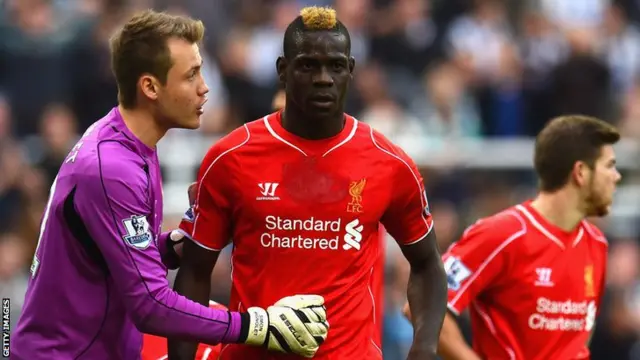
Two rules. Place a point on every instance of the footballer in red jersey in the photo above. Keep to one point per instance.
(533, 276)
(301, 194)
(377, 275)
(155, 347)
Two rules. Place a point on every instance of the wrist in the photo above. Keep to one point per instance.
(245, 321)
(254, 327)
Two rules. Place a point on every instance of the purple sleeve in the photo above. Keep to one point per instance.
(113, 202)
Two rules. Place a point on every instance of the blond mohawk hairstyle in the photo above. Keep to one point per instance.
(319, 18)
(312, 19)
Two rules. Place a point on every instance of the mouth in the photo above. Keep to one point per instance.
(200, 109)
(323, 100)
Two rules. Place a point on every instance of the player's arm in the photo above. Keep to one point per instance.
(409, 221)
(451, 345)
(113, 203)
(426, 292)
(193, 280)
(207, 226)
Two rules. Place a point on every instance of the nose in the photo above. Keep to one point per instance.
(618, 176)
(203, 89)
(323, 78)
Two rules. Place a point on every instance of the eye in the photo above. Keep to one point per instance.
(338, 65)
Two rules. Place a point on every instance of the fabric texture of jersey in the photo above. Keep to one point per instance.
(533, 290)
(305, 218)
(155, 347)
(98, 276)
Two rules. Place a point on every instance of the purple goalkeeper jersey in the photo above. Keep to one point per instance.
(98, 276)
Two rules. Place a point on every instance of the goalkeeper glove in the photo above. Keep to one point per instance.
(295, 324)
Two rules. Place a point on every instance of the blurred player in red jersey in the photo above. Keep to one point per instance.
(301, 194)
(155, 347)
(533, 275)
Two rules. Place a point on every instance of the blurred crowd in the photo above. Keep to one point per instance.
(428, 72)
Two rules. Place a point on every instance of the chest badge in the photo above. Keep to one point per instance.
(589, 290)
(355, 191)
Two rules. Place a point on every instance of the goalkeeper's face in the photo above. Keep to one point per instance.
(181, 99)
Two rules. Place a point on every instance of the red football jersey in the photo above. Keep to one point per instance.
(155, 347)
(304, 218)
(533, 289)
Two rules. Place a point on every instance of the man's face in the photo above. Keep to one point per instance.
(318, 76)
(181, 99)
(602, 184)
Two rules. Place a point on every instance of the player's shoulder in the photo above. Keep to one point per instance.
(234, 140)
(385, 150)
(498, 234)
(380, 142)
(105, 153)
(593, 233)
(505, 225)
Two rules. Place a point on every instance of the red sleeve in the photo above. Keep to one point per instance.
(208, 222)
(475, 262)
(407, 219)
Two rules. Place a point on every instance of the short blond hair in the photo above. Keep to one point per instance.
(319, 18)
(312, 18)
(140, 47)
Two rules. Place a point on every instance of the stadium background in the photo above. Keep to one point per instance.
(461, 85)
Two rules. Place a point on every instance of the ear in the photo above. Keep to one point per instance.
(281, 69)
(149, 86)
(352, 65)
(581, 173)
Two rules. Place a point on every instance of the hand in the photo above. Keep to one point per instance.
(295, 324)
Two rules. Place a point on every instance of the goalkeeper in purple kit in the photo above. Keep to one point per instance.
(98, 278)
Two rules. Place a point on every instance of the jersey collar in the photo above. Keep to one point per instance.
(140, 147)
(566, 238)
(308, 147)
